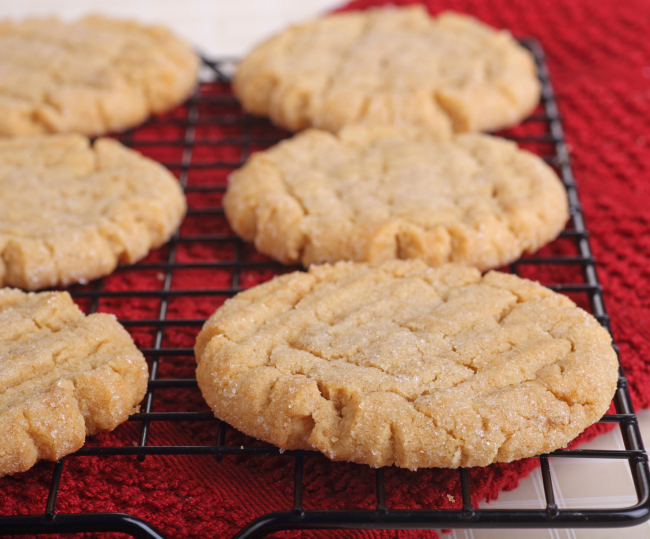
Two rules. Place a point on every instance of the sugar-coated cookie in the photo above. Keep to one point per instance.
(91, 76)
(71, 211)
(373, 193)
(400, 363)
(390, 65)
(63, 375)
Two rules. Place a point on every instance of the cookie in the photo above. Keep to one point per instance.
(92, 76)
(70, 212)
(63, 376)
(374, 193)
(390, 65)
(400, 363)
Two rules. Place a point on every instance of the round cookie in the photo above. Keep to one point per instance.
(373, 193)
(63, 376)
(69, 211)
(404, 364)
(92, 76)
(390, 65)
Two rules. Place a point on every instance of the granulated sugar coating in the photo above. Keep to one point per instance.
(404, 364)
(372, 193)
(395, 65)
(90, 76)
(63, 375)
(71, 211)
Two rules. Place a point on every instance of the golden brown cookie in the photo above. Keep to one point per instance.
(374, 193)
(404, 364)
(92, 76)
(390, 65)
(63, 376)
(70, 212)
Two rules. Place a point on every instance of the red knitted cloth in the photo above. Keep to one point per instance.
(599, 59)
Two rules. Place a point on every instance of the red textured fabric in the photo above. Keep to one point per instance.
(599, 59)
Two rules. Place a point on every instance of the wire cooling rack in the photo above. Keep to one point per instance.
(204, 260)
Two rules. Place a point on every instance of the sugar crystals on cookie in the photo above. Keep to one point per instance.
(63, 376)
(391, 65)
(90, 76)
(371, 193)
(400, 363)
(71, 211)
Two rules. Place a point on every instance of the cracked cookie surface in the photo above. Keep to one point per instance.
(373, 193)
(400, 363)
(91, 76)
(390, 65)
(63, 376)
(70, 212)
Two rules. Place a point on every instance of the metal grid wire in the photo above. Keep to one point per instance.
(192, 134)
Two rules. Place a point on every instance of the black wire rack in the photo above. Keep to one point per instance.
(204, 179)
